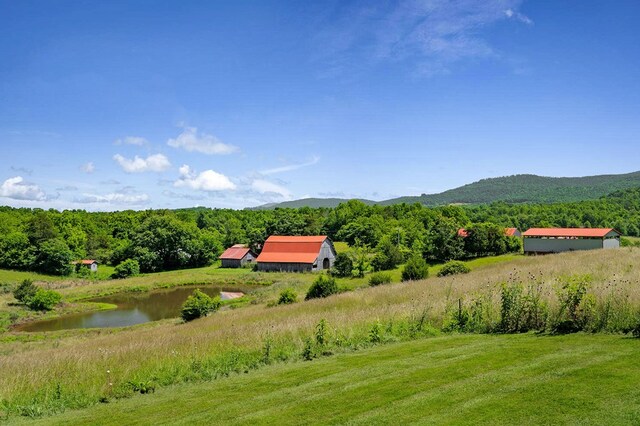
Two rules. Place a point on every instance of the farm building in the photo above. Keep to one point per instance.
(237, 256)
(87, 263)
(296, 254)
(509, 232)
(512, 232)
(555, 240)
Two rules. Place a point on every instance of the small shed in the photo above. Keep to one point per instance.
(512, 232)
(237, 256)
(297, 254)
(87, 263)
(556, 240)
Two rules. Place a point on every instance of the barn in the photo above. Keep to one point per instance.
(91, 264)
(555, 240)
(512, 232)
(237, 256)
(296, 254)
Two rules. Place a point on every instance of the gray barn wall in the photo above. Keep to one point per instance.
(555, 245)
(231, 263)
(612, 243)
(326, 252)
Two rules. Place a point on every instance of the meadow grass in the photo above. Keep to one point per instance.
(457, 379)
(70, 370)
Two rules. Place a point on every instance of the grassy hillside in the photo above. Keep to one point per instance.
(53, 372)
(517, 379)
(512, 189)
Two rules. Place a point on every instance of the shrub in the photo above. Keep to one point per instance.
(342, 266)
(378, 278)
(198, 305)
(43, 300)
(287, 297)
(25, 291)
(453, 268)
(415, 269)
(127, 268)
(323, 286)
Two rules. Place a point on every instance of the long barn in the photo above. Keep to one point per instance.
(296, 254)
(555, 240)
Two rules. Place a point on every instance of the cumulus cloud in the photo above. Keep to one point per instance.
(88, 167)
(314, 160)
(131, 140)
(205, 181)
(17, 189)
(153, 163)
(192, 141)
(265, 187)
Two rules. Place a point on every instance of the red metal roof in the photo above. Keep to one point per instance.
(463, 233)
(569, 232)
(87, 262)
(283, 249)
(510, 232)
(236, 252)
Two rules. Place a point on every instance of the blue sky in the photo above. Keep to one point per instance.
(167, 104)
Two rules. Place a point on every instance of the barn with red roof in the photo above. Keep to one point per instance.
(556, 240)
(297, 254)
(237, 256)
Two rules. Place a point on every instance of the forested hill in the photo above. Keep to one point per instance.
(311, 202)
(510, 189)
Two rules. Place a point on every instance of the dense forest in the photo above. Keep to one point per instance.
(510, 189)
(49, 240)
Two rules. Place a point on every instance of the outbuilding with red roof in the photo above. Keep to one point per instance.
(297, 254)
(556, 240)
(237, 256)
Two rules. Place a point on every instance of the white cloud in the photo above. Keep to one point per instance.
(430, 35)
(205, 181)
(290, 167)
(512, 14)
(153, 163)
(17, 189)
(265, 187)
(190, 140)
(114, 198)
(88, 167)
(131, 140)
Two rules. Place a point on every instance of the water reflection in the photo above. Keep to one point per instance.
(133, 308)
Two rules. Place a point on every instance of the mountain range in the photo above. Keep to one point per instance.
(524, 188)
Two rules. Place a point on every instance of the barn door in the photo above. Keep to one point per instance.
(325, 263)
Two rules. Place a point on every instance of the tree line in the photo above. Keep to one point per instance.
(49, 240)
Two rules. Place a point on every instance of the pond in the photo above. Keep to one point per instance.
(133, 308)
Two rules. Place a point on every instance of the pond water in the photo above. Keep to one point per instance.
(133, 308)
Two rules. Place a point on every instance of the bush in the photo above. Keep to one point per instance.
(415, 269)
(287, 297)
(198, 305)
(128, 268)
(378, 278)
(323, 286)
(342, 266)
(55, 258)
(43, 300)
(25, 291)
(453, 268)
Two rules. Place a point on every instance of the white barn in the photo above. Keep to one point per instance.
(556, 240)
(296, 254)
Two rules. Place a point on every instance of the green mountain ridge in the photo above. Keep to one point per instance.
(523, 188)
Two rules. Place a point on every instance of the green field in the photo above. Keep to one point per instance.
(513, 379)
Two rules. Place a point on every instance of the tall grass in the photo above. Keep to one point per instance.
(55, 374)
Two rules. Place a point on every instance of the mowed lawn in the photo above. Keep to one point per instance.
(458, 379)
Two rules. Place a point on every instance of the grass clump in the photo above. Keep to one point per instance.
(287, 297)
(415, 269)
(454, 267)
(198, 305)
(323, 286)
(378, 278)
